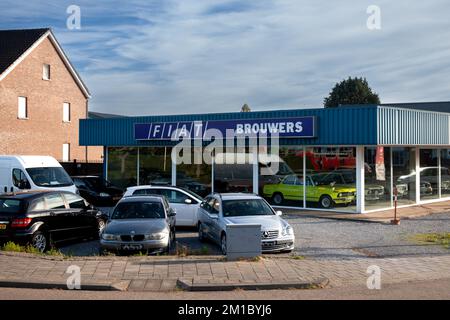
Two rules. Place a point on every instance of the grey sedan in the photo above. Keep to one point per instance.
(140, 223)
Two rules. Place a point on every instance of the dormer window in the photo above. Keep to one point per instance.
(46, 72)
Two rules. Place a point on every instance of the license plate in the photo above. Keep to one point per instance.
(269, 244)
(2, 226)
(132, 247)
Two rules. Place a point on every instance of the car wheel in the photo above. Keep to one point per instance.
(277, 198)
(326, 202)
(223, 244)
(201, 234)
(40, 241)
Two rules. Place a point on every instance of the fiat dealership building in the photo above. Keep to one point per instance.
(349, 159)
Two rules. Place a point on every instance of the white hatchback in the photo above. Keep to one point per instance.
(186, 203)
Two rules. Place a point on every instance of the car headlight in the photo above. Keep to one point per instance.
(156, 236)
(104, 194)
(110, 237)
(288, 231)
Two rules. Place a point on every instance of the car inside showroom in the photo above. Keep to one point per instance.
(353, 159)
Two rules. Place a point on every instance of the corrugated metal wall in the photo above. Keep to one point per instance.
(356, 125)
(398, 126)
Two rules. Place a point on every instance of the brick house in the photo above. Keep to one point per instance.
(42, 98)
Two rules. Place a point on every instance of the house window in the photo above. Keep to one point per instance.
(22, 112)
(66, 112)
(46, 72)
(66, 152)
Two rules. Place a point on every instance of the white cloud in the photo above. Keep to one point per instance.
(168, 57)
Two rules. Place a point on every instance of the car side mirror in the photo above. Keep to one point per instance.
(172, 212)
(279, 213)
(188, 201)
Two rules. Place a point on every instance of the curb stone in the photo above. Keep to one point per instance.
(121, 285)
(188, 285)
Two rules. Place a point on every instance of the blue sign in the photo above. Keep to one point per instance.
(299, 127)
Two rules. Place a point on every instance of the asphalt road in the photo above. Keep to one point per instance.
(329, 239)
(436, 289)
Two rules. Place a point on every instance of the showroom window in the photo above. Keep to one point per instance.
(429, 174)
(332, 172)
(194, 175)
(445, 173)
(404, 174)
(281, 176)
(233, 171)
(155, 165)
(377, 177)
(122, 166)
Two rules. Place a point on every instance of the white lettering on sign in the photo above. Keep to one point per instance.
(279, 127)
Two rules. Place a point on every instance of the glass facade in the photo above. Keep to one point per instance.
(445, 173)
(155, 165)
(233, 171)
(295, 176)
(122, 166)
(429, 174)
(377, 177)
(331, 178)
(194, 176)
(404, 174)
(281, 176)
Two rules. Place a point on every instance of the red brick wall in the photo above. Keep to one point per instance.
(44, 133)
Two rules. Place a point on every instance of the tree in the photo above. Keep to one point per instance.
(245, 108)
(351, 91)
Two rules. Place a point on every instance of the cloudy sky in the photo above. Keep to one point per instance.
(143, 57)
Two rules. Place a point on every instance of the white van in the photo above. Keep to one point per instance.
(21, 173)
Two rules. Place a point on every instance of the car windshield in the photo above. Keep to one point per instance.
(246, 207)
(139, 210)
(10, 206)
(50, 177)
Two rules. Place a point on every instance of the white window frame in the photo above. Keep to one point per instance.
(22, 108)
(66, 152)
(46, 72)
(66, 112)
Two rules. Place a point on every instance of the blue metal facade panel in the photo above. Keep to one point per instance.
(398, 126)
(341, 126)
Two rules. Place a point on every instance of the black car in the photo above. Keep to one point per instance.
(47, 217)
(98, 191)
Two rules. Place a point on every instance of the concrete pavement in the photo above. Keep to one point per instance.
(161, 273)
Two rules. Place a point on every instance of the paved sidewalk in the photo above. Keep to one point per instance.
(162, 273)
(384, 216)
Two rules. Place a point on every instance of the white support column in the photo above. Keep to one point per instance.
(360, 205)
(137, 167)
(304, 177)
(212, 172)
(391, 182)
(418, 200)
(255, 159)
(439, 173)
(105, 162)
(174, 172)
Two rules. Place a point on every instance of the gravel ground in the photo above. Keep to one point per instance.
(322, 238)
(330, 239)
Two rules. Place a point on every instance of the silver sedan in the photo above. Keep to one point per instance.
(140, 223)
